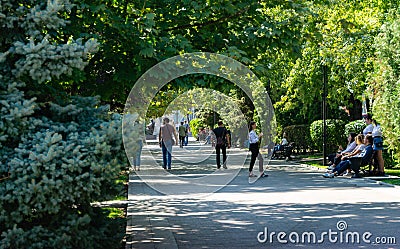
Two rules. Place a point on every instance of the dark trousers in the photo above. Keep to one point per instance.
(218, 149)
(334, 158)
(181, 141)
(167, 156)
(331, 157)
(342, 167)
(255, 153)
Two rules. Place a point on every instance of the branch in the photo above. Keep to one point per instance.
(209, 22)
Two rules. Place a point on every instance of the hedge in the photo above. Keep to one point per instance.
(300, 136)
(336, 134)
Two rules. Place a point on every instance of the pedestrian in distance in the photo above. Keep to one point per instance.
(138, 128)
(254, 147)
(182, 135)
(222, 137)
(166, 142)
(187, 126)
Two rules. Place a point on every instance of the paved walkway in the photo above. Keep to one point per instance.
(294, 200)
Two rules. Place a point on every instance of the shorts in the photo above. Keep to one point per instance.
(378, 143)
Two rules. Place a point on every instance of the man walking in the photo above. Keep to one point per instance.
(187, 133)
(166, 142)
(222, 137)
(182, 134)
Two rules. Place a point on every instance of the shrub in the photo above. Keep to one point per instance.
(195, 124)
(335, 130)
(300, 135)
(356, 126)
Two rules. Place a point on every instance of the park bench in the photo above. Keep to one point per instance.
(357, 166)
(285, 152)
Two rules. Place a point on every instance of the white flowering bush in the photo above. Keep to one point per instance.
(58, 153)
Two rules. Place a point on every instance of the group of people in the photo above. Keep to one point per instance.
(183, 131)
(222, 142)
(365, 147)
(166, 141)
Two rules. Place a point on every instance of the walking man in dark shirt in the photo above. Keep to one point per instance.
(222, 137)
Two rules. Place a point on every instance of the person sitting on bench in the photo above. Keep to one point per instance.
(280, 146)
(335, 158)
(356, 151)
(365, 156)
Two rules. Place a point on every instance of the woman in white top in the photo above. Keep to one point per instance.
(378, 147)
(335, 158)
(359, 139)
(255, 150)
(280, 146)
(360, 146)
(370, 126)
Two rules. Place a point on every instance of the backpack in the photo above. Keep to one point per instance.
(221, 140)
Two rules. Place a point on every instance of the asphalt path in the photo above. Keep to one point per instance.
(197, 206)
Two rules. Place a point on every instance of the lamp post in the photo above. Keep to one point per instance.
(324, 111)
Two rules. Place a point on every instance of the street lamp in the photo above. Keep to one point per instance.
(324, 111)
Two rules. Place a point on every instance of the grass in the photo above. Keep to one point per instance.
(394, 172)
(393, 182)
(115, 212)
(316, 164)
(117, 215)
(122, 180)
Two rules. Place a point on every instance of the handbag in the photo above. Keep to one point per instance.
(173, 141)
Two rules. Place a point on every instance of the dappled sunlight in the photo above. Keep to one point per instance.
(199, 222)
(294, 198)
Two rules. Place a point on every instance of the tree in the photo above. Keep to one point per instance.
(58, 152)
(135, 35)
(385, 83)
(340, 35)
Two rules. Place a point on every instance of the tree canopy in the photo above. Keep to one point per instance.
(67, 65)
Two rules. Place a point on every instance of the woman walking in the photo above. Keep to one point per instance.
(254, 147)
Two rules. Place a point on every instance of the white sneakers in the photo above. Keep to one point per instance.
(329, 175)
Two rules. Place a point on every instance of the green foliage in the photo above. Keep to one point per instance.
(68, 230)
(335, 130)
(393, 182)
(115, 212)
(356, 126)
(385, 85)
(300, 136)
(135, 35)
(62, 152)
(340, 35)
(195, 124)
(58, 168)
